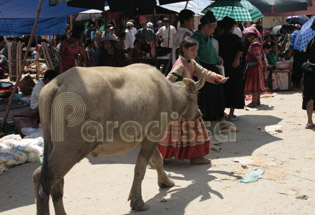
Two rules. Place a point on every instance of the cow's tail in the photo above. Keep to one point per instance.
(47, 96)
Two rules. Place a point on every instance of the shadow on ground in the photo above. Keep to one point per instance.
(249, 138)
(177, 198)
(19, 176)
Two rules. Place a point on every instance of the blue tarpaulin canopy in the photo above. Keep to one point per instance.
(17, 17)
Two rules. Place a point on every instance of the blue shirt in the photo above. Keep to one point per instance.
(147, 33)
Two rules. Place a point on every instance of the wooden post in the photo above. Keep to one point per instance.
(22, 67)
(71, 22)
(37, 65)
(9, 44)
(19, 65)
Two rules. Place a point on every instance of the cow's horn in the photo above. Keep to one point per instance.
(199, 84)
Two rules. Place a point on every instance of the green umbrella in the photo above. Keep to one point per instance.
(239, 10)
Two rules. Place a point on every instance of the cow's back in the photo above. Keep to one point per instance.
(137, 93)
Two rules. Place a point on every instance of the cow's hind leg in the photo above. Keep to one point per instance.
(42, 204)
(135, 197)
(157, 161)
(60, 161)
(57, 194)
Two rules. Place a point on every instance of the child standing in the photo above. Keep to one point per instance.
(188, 139)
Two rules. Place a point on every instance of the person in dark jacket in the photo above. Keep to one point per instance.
(309, 83)
(231, 49)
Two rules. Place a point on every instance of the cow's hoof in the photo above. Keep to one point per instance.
(140, 206)
(166, 183)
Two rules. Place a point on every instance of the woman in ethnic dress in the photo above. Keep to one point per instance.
(188, 139)
(211, 97)
(69, 51)
(254, 77)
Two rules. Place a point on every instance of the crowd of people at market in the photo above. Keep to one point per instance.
(237, 59)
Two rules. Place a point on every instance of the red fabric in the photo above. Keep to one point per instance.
(254, 82)
(70, 52)
(185, 139)
(250, 97)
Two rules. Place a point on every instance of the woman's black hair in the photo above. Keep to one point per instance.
(208, 18)
(186, 43)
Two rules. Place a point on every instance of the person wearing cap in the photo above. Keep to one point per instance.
(133, 29)
(146, 36)
(145, 32)
(111, 31)
(109, 54)
(166, 33)
(231, 49)
(150, 25)
(159, 24)
(186, 19)
(211, 97)
(130, 37)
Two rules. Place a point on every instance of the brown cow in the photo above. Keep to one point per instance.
(108, 111)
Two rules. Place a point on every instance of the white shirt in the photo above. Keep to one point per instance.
(167, 35)
(178, 38)
(238, 32)
(130, 38)
(35, 94)
(134, 31)
(215, 44)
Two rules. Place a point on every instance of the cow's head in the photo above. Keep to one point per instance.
(192, 110)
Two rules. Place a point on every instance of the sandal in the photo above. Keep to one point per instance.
(200, 161)
(251, 105)
(309, 126)
(235, 118)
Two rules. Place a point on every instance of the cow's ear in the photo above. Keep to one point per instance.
(190, 85)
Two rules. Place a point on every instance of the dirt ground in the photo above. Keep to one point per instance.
(286, 154)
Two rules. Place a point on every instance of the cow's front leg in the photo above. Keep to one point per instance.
(157, 161)
(135, 197)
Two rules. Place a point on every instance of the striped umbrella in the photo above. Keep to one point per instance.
(239, 10)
